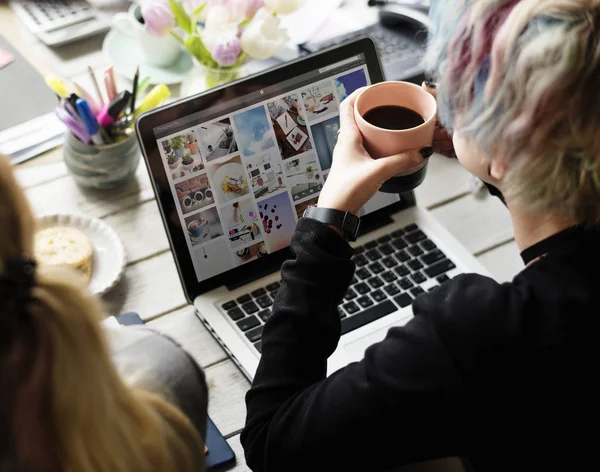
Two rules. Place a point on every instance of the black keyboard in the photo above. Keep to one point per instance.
(391, 272)
(401, 51)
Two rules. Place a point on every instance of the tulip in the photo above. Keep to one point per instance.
(263, 36)
(158, 18)
(218, 26)
(283, 7)
(227, 51)
(251, 7)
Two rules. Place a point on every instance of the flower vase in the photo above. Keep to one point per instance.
(203, 78)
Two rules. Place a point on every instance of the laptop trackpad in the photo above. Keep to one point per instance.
(356, 349)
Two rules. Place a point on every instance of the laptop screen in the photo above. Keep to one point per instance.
(243, 171)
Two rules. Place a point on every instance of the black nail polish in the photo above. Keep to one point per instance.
(430, 84)
(426, 152)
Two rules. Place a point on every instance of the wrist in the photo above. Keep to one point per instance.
(339, 205)
(337, 230)
(344, 223)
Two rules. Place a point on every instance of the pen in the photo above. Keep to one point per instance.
(57, 86)
(154, 98)
(83, 93)
(111, 112)
(72, 99)
(136, 78)
(70, 109)
(75, 127)
(96, 86)
(90, 122)
(109, 83)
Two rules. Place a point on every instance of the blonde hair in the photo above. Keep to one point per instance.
(61, 397)
(521, 78)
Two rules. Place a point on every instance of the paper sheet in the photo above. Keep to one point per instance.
(286, 123)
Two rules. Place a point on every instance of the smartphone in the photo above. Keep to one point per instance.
(219, 455)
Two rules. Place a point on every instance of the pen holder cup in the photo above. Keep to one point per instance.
(101, 167)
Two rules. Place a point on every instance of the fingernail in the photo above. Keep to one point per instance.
(426, 152)
(431, 85)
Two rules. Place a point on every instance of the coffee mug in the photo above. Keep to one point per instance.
(208, 194)
(199, 196)
(160, 51)
(196, 227)
(188, 202)
(381, 142)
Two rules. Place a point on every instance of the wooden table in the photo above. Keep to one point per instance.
(150, 285)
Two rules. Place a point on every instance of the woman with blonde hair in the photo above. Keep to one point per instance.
(64, 402)
(501, 374)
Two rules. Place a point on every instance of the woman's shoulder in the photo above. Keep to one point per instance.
(155, 362)
(476, 307)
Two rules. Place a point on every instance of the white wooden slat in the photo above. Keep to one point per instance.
(504, 262)
(227, 388)
(70, 59)
(446, 179)
(240, 461)
(477, 223)
(65, 196)
(185, 328)
(149, 288)
(141, 230)
(32, 176)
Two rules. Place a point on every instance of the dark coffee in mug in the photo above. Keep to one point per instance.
(393, 117)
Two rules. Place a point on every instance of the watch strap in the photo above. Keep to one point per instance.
(347, 222)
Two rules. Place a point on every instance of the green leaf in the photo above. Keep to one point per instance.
(196, 47)
(198, 11)
(195, 15)
(243, 56)
(177, 37)
(181, 17)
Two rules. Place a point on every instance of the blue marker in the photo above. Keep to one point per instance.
(90, 122)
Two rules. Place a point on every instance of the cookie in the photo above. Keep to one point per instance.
(65, 246)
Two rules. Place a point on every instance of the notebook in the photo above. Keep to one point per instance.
(31, 127)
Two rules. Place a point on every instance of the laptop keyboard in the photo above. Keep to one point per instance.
(390, 273)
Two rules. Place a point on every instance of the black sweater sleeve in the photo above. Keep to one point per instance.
(399, 405)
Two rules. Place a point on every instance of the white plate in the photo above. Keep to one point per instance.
(109, 259)
(231, 169)
(125, 54)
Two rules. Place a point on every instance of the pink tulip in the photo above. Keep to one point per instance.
(158, 18)
(252, 6)
(227, 51)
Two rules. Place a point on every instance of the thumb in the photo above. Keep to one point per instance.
(403, 162)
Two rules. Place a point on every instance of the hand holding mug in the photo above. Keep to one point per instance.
(355, 176)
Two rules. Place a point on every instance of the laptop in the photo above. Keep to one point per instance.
(234, 168)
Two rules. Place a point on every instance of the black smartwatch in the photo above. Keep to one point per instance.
(347, 222)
